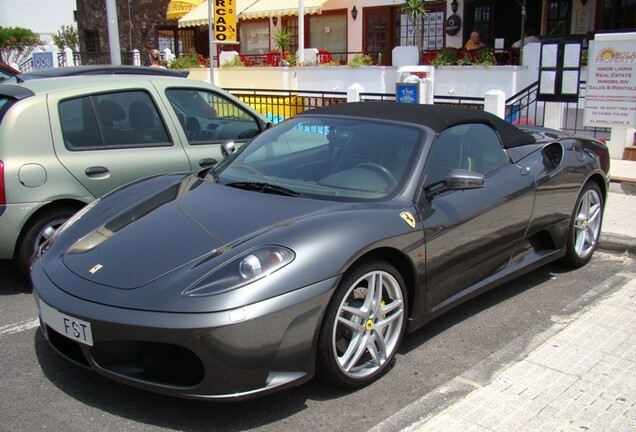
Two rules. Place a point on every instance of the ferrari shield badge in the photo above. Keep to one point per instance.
(408, 218)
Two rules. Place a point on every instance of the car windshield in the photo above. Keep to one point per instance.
(327, 158)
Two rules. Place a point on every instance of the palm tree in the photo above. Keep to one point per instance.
(283, 41)
(414, 9)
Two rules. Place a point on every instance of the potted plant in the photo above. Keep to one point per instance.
(283, 42)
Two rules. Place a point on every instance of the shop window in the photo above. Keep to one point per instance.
(329, 31)
(291, 24)
(432, 27)
(618, 15)
(179, 41)
(559, 17)
(91, 40)
(254, 37)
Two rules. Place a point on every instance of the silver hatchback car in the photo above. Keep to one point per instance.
(67, 141)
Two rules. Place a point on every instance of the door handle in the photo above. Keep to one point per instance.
(97, 172)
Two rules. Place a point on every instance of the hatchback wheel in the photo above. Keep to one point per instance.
(364, 325)
(37, 232)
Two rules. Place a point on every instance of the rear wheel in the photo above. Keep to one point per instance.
(585, 226)
(40, 229)
(364, 325)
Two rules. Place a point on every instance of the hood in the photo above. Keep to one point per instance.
(185, 223)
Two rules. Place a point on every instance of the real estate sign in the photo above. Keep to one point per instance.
(610, 99)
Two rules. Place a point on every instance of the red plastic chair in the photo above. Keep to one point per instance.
(273, 58)
(324, 56)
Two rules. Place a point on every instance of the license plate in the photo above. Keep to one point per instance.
(66, 325)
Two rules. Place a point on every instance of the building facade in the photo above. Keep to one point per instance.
(374, 27)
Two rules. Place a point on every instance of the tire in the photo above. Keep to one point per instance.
(585, 226)
(362, 329)
(42, 227)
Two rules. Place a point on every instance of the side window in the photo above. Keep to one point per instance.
(483, 147)
(206, 116)
(473, 147)
(112, 120)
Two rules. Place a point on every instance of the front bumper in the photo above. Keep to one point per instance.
(226, 355)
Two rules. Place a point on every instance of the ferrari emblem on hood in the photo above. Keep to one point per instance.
(408, 218)
(96, 268)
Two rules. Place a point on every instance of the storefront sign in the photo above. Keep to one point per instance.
(453, 24)
(224, 21)
(178, 8)
(610, 99)
(43, 60)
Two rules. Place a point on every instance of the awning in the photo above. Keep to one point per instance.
(199, 15)
(272, 8)
(250, 9)
(178, 8)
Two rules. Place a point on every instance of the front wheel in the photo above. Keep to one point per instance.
(363, 326)
(585, 226)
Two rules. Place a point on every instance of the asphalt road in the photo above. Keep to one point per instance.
(40, 390)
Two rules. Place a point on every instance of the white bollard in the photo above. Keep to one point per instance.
(353, 92)
(495, 103)
(69, 60)
(553, 115)
(136, 57)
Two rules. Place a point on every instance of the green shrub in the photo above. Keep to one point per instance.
(445, 57)
(360, 60)
(188, 61)
(234, 63)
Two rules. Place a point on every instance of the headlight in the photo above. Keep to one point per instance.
(249, 267)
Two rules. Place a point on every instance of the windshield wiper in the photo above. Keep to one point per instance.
(265, 188)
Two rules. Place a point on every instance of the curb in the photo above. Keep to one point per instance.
(617, 243)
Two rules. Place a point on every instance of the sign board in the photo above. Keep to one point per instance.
(407, 93)
(224, 21)
(43, 60)
(559, 69)
(610, 99)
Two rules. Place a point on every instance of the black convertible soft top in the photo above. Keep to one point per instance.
(437, 117)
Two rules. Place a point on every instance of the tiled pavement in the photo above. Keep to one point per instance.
(581, 379)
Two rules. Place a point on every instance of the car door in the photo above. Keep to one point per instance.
(108, 139)
(471, 234)
(208, 119)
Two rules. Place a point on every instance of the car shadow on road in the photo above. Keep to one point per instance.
(12, 282)
(150, 408)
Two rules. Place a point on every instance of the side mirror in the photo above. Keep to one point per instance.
(457, 179)
(227, 148)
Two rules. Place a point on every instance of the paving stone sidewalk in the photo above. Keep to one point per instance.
(583, 378)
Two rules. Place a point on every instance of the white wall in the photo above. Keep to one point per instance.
(42, 16)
